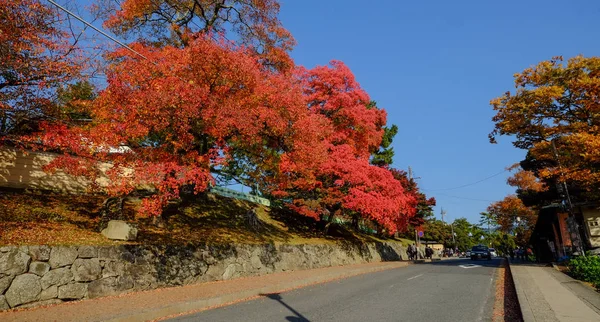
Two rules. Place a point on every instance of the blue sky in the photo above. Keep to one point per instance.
(434, 66)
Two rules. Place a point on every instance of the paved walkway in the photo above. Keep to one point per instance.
(546, 296)
(170, 302)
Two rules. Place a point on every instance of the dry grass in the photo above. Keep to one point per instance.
(28, 219)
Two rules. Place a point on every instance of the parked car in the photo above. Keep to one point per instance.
(480, 251)
(468, 254)
(493, 252)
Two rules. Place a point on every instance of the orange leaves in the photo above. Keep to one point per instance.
(507, 210)
(556, 101)
(525, 180)
(35, 58)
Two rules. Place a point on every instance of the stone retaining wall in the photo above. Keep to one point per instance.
(39, 275)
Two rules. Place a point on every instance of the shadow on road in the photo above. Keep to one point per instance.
(277, 297)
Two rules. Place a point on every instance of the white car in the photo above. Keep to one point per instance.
(493, 252)
(468, 254)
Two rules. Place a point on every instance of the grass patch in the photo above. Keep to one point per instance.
(53, 219)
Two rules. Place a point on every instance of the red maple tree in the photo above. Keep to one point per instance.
(345, 182)
(189, 113)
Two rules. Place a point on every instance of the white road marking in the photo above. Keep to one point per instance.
(414, 277)
(469, 266)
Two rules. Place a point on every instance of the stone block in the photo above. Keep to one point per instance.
(57, 277)
(14, 262)
(62, 256)
(24, 289)
(112, 269)
(109, 286)
(120, 230)
(49, 293)
(5, 283)
(108, 253)
(87, 252)
(40, 253)
(229, 272)
(72, 291)
(85, 270)
(3, 304)
(39, 268)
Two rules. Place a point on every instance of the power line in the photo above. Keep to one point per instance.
(465, 198)
(470, 184)
(98, 30)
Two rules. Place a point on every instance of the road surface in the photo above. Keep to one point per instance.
(450, 290)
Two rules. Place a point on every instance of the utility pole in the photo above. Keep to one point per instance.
(410, 175)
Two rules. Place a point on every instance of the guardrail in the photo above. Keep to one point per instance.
(230, 193)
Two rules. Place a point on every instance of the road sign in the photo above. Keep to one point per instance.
(420, 233)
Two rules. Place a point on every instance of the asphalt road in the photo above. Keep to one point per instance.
(450, 290)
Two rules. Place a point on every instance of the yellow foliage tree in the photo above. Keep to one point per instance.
(555, 114)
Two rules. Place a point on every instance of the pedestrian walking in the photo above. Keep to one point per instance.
(413, 252)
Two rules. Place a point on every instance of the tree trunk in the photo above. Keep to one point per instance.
(158, 221)
(328, 224)
(112, 209)
(355, 223)
(329, 221)
(253, 220)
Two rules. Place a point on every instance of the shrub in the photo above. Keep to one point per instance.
(586, 269)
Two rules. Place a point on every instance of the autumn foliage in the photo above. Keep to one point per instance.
(511, 214)
(554, 115)
(253, 23)
(525, 180)
(202, 107)
(35, 58)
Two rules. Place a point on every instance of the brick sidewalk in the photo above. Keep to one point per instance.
(161, 303)
(543, 297)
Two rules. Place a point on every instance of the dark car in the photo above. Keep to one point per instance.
(480, 251)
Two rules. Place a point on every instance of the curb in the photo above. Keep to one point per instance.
(421, 261)
(526, 312)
